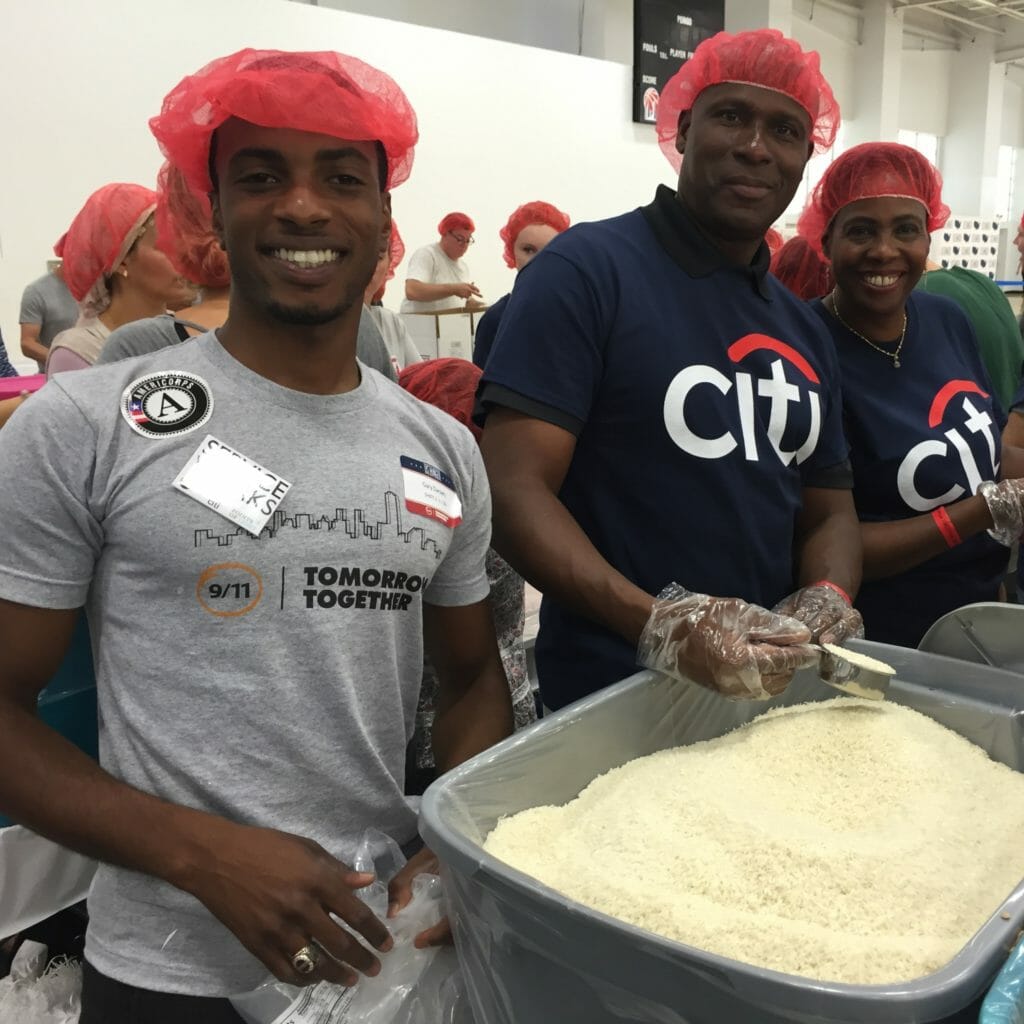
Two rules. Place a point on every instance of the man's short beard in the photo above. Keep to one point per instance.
(306, 316)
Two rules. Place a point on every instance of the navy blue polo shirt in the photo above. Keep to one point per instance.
(924, 435)
(487, 331)
(703, 398)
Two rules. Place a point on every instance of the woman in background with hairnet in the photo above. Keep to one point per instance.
(526, 232)
(184, 223)
(113, 269)
(802, 269)
(401, 349)
(920, 416)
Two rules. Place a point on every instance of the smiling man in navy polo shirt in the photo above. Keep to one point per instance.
(658, 408)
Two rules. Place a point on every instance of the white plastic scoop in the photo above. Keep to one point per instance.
(856, 674)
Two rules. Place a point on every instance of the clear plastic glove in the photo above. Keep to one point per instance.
(824, 612)
(741, 650)
(1004, 501)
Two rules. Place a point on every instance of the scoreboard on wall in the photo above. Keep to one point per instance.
(665, 34)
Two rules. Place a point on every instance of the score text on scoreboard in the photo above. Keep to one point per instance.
(666, 32)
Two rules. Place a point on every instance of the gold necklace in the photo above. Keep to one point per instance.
(894, 356)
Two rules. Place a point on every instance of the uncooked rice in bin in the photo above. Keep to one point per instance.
(848, 841)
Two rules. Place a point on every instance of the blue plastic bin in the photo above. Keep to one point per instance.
(68, 704)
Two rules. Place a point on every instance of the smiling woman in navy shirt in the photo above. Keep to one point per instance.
(918, 407)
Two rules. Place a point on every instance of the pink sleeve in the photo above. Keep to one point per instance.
(63, 359)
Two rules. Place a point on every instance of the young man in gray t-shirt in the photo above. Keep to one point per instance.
(264, 534)
(47, 308)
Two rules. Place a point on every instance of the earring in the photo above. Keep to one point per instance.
(124, 273)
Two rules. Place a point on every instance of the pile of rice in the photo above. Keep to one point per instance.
(851, 841)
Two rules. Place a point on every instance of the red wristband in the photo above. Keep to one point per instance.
(834, 586)
(950, 534)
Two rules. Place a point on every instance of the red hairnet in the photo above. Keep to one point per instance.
(396, 250)
(802, 269)
(326, 93)
(870, 171)
(449, 384)
(765, 58)
(184, 227)
(99, 238)
(530, 213)
(774, 240)
(455, 222)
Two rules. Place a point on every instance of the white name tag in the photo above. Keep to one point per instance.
(232, 485)
(430, 492)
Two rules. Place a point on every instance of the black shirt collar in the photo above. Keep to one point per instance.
(680, 237)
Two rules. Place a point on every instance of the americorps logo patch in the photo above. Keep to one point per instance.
(167, 404)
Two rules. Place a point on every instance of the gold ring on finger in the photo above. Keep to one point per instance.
(306, 959)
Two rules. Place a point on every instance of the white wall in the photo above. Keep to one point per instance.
(500, 124)
(1013, 114)
(591, 28)
(839, 54)
(924, 92)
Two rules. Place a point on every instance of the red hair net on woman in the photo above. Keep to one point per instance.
(100, 237)
(774, 240)
(802, 269)
(765, 58)
(530, 213)
(184, 226)
(396, 250)
(324, 92)
(455, 222)
(870, 171)
(450, 384)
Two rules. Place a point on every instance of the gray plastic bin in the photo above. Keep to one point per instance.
(533, 956)
(987, 633)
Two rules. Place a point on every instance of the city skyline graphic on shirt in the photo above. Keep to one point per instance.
(352, 521)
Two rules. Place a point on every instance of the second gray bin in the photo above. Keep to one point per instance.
(533, 956)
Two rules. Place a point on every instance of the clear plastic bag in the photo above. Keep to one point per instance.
(1005, 1002)
(415, 986)
(37, 993)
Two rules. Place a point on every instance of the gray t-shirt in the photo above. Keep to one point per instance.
(271, 680)
(48, 302)
(154, 333)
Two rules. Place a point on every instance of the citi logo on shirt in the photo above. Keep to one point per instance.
(954, 403)
(742, 394)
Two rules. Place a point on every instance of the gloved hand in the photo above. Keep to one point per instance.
(1004, 501)
(740, 650)
(824, 612)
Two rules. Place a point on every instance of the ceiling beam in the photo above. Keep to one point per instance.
(931, 7)
(840, 6)
(949, 39)
(994, 10)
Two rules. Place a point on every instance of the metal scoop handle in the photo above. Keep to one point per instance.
(842, 675)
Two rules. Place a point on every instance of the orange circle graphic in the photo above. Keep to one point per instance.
(211, 572)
